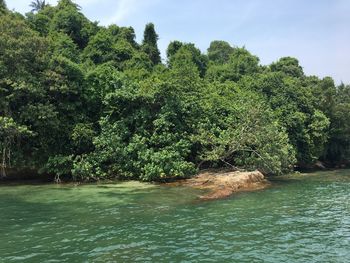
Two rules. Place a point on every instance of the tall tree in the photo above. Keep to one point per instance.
(219, 52)
(3, 6)
(149, 44)
(37, 5)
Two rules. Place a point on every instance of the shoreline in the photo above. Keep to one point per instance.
(217, 183)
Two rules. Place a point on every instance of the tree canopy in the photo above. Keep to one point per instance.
(88, 102)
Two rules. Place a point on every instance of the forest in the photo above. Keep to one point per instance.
(87, 102)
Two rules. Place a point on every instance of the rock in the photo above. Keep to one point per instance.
(224, 184)
(319, 165)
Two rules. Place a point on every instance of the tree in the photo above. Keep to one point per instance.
(149, 44)
(37, 5)
(184, 69)
(115, 45)
(100, 48)
(243, 134)
(23, 53)
(220, 51)
(39, 22)
(64, 46)
(199, 59)
(325, 93)
(338, 147)
(11, 133)
(69, 20)
(293, 104)
(241, 63)
(288, 65)
(67, 3)
(3, 7)
(173, 47)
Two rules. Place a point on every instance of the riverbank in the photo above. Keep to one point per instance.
(221, 184)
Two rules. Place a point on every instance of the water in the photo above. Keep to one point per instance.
(301, 218)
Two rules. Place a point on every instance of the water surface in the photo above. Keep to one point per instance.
(301, 218)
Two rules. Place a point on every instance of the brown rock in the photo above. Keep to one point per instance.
(224, 184)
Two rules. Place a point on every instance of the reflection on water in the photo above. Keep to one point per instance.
(301, 218)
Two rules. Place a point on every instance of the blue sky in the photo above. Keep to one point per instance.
(317, 32)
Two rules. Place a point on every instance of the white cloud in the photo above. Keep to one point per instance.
(124, 8)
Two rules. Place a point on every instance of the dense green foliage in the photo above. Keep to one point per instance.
(89, 102)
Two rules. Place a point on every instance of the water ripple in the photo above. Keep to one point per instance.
(300, 219)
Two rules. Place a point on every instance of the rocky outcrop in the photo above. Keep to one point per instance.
(224, 184)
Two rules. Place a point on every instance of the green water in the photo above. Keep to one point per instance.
(301, 218)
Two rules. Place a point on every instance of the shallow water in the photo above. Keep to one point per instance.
(301, 218)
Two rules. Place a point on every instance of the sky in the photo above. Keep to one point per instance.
(316, 32)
